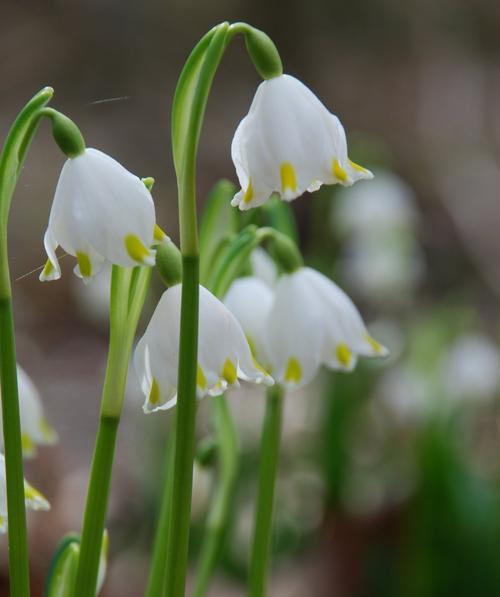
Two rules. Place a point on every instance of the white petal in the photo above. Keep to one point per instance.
(111, 203)
(264, 267)
(344, 326)
(250, 300)
(52, 270)
(289, 143)
(295, 331)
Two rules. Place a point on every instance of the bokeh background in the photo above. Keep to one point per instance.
(389, 481)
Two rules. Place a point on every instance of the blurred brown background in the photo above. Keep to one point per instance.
(416, 84)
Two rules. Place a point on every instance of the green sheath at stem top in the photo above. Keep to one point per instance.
(11, 162)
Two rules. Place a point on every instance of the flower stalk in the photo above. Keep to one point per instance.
(125, 309)
(11, 161)
(269, 457)
(228, 456)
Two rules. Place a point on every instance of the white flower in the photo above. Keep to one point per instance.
(471, 370)
(101, 212)
(35, 430)
(223, 352)
(305, 322)
(250, 300)
(289, 143)
(263, 266)
(33, 498)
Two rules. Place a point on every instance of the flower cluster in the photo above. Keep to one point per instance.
(301, 323)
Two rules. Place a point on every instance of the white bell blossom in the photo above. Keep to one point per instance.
(471, 369)
(34, 499)
(223, 351)
(289, 143)
(305, 322)
(101, 212)
(250, 300)
(35, 430)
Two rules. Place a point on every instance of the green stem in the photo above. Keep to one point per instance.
(228, 453)
(269, 456)
(157, 579)
(18, 546)
(11, 162)
(124, 314)
(178, 525)
(96, 506)
(187, 115)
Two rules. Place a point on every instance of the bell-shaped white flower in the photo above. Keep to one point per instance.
(313, 322)
(304, 322)
(34, 499)
(224, 355)
(289, 143)
(250, 300)
(35, 430)
(101, 212)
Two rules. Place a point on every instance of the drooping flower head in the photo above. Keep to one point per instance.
(224, 355)
(34, 499)
(35, 429)
(305, 322)
(101, 212)
(289, 143)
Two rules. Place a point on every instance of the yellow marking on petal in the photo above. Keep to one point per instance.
(46, 430)
(293, 373)
(2, 522)
(339, 172)
(248, 196)
(201, 380)
(33, 495)
(288, 177)
(84, 264)
(48, 268)
(377, 348)
(344, 355)
(154, 393)
(105, 545)
(229, 372)
(158, 234)
(135, 248)
(358, 167)
(27, 444)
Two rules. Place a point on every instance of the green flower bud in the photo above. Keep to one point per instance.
(66, 134)
(261, 49)
(169, 263)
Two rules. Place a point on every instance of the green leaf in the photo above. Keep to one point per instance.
(62, 574)
(218, 223)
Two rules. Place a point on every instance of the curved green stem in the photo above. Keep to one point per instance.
(228, 452)
(125, 308)
(11, 161)
(269, 457)
(188, 110)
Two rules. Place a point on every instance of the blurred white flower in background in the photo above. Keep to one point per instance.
(263, 266)
(33, 498)
(472, 368)
(35, 429)
(381, 259)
